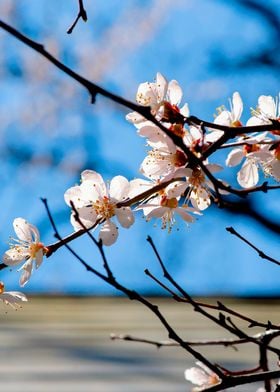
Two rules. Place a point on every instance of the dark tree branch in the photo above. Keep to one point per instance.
(194, 161)
(231, 230)
(81, 14)
(222, 321)
(134, 295)
(168, 343)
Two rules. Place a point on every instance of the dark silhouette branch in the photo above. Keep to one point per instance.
(134, 295)
(262, 255)
(81, 14)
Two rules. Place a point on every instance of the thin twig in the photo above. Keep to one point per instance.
(81, 14)
(168, 343)
(134, 295)
(194, 161)
(96, 243)
(222, 321)
(231, 230)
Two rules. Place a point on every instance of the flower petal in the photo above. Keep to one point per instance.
(224, 118)
(74, 195)
(23, 230)
(13, 298)
(237, 106)
(161, 84)
(125, 216)
(234, 157)
(26, 274)
(119, 188)
(91, 175)
(185, 111)
(174, 92)
(267, 106)
(184, 214)
(39, 258)
(248, 176)
(15, 255)
(108, 233)
(87, 215)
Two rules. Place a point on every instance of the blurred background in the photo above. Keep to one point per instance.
(50, 132)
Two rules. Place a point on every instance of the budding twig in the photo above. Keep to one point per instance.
(231, 230)
(81, 14)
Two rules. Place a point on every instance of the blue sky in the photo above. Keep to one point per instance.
(50, 132)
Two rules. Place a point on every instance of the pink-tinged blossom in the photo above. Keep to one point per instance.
(201, 189)
(12, 298)
(271, 166)
(254, 155)
(166, 204)
(162, 97)
(164, 159)
(27, 247)
(94, 202)
(202, 377)
(196, 140)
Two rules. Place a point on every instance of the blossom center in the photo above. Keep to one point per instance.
(236, 123)
(247, 148)
(177, 129)
(171, 113)
(277, 152)
(179, 159)
(34, 249)
(213, 379)
(197, 178)
(170, 203)
(104, 207)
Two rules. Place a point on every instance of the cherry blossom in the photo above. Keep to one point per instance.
(255, 154)
(201, 376)
(200, 188)
(230, 118)
(163, 98)
(166, 204)
(12, 298)
(271, 166)
(27, 247)
(267, 109)
(94, 202)
(163, 161)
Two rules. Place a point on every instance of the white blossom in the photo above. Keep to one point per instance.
(12, 298)
(94, 201)
(200, 188)
(201, 376)
(166, 204)
(230, 118)
(268, 109)
(254, 155)
(162, 97)
(27, 247)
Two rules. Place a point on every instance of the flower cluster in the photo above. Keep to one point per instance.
(177, 175)
(259, 151)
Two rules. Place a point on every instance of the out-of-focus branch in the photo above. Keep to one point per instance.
(168, 343)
